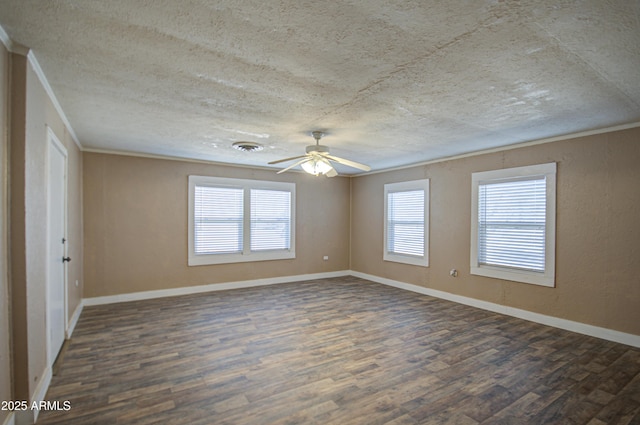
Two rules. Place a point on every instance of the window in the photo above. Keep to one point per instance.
(406, 218)
(234, 220)
(513, 224)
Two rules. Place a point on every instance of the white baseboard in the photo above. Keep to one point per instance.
(74, 320)
(146, 295)
(30, 416)
(569, 325)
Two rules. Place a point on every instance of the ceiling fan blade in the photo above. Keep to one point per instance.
(331, 173)
(348, 163)
(294, 164)
(286, 159)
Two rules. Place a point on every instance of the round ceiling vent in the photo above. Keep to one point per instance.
(247, 146)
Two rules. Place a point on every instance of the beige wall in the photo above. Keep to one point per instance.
(5, 335)
(135, 213)
(135, 228)
(32, 112)
(597, 238)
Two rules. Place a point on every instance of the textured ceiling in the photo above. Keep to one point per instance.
(391, 82)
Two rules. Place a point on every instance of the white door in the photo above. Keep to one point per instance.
(57, 254)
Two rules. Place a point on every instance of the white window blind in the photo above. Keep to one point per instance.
(405, 222)
(511, 223)
(218, 217)
(270, 219)
(240, 220)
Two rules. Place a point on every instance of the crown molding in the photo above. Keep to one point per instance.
(54, 100)
(135, 154)
(508, 147)
(19, 49)
(11, 45)
(385, 170)
(4, 38)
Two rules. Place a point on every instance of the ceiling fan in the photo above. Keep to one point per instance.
(317, 160)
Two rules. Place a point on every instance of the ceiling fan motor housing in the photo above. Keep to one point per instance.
(317, 148)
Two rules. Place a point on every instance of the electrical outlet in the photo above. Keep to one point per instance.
(453, 273)
(325, 258)
(77, 284)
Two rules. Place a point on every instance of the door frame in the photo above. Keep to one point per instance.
(54, 143)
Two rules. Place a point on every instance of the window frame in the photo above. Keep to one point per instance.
(246, 255)
(407, 186)
(546, 278)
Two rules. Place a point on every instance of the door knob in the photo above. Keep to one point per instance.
(65, 259)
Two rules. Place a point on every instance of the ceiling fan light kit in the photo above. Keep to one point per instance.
(317, 166)
(317, 160)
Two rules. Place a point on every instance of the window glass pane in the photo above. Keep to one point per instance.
(511, 224)
(405, 222)
(217, 220)
(270, 219)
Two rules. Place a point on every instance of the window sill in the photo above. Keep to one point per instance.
(202, 260)
(405, 259)
(521, 276)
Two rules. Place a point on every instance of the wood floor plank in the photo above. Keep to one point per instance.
(334, 351)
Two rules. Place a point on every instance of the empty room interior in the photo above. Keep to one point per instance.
(299, 212)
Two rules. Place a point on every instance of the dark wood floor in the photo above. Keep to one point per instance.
(336, 351)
